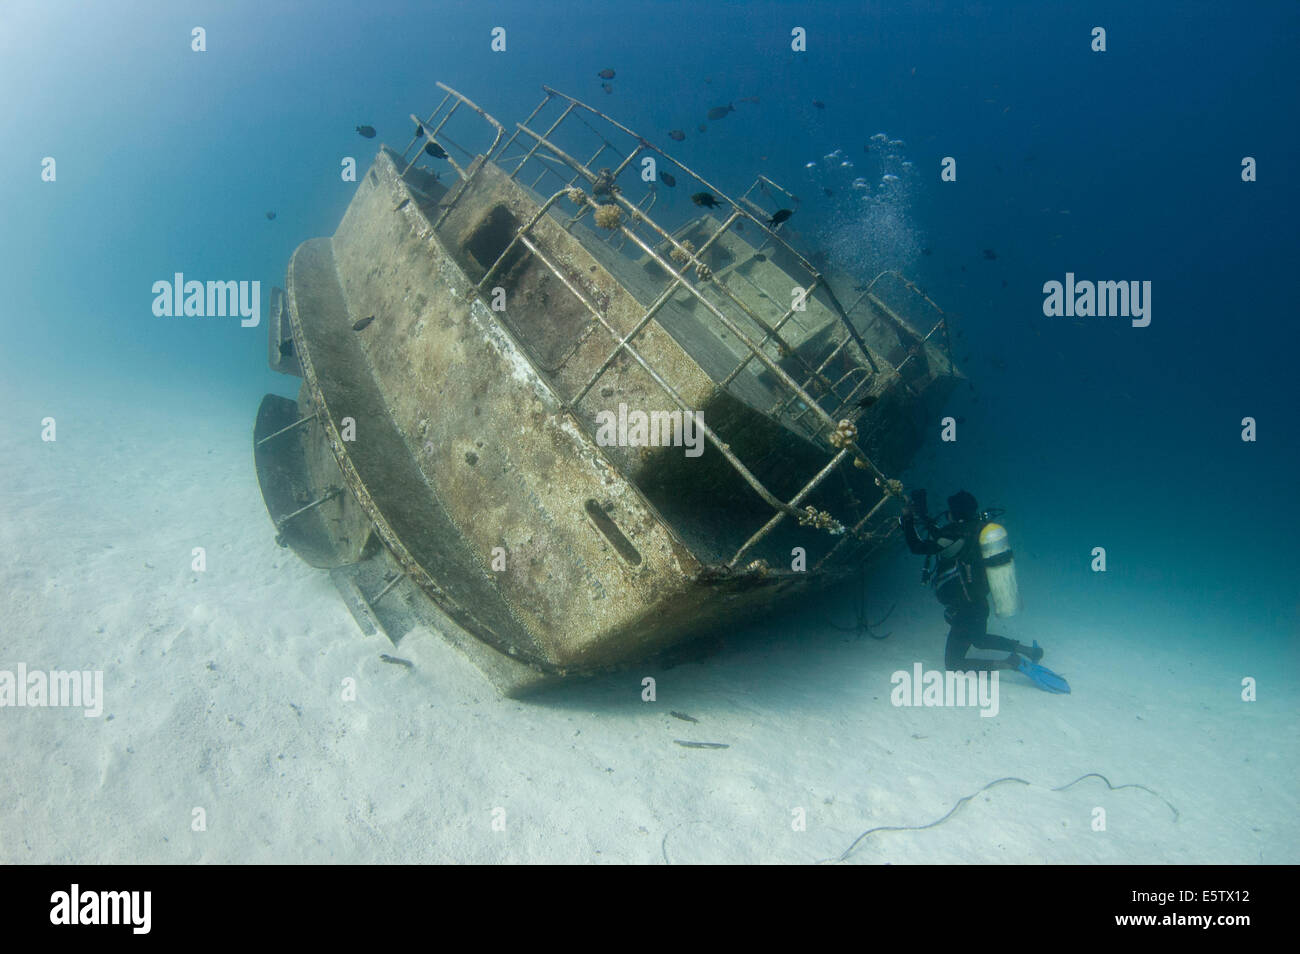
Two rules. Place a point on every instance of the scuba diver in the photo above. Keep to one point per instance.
(974, 563)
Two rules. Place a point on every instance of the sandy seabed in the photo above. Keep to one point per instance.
(224, 701)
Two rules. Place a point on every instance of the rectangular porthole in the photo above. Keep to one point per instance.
(621, 544)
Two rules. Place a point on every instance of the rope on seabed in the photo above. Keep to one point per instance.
(863, 624)
(997, 781)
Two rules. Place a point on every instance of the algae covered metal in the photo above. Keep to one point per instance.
(567, 419)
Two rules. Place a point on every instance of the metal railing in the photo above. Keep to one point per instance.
(571, 173)
(433, 127)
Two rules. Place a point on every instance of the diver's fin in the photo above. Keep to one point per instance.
(1043, 677)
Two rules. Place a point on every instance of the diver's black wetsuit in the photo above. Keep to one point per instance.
(961, 586)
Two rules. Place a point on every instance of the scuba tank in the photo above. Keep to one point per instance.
(999, 569)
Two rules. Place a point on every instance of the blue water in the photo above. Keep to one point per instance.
(1122, 165)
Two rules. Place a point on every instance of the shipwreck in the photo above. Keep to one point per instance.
(481, 345)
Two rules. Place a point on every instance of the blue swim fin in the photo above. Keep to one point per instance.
(1043, 677)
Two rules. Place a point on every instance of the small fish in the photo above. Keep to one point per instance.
(888, 177)
(367, 131)
(702, 745)
(717, 112)
(810, 165)
(401, 205)
(846, 164)
(667, 178)
(397, 661)
(827, 192)
(363, 322)
(606, 73)
(702, 128)
(830, 156)
(676, 135)
(867, 401)
(705, 200)
(435, 150)
(683, 716)
(989, 254)
(270, 216)
(819, 104)
(419, 130)
(606, 87)
(780, 216)
(896, 144)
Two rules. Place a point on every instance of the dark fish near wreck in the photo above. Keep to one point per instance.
(705, 200)
(435, 150)
(358, 325)
(367, 131)
(683, 716)
(759, 257)
(606, 73)
(989, 254)
(676, 135)
(717, 112)
(867, 401)
(668, 180)
(606, 87)
(780, 216)
(270, 216)
(819, 104)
